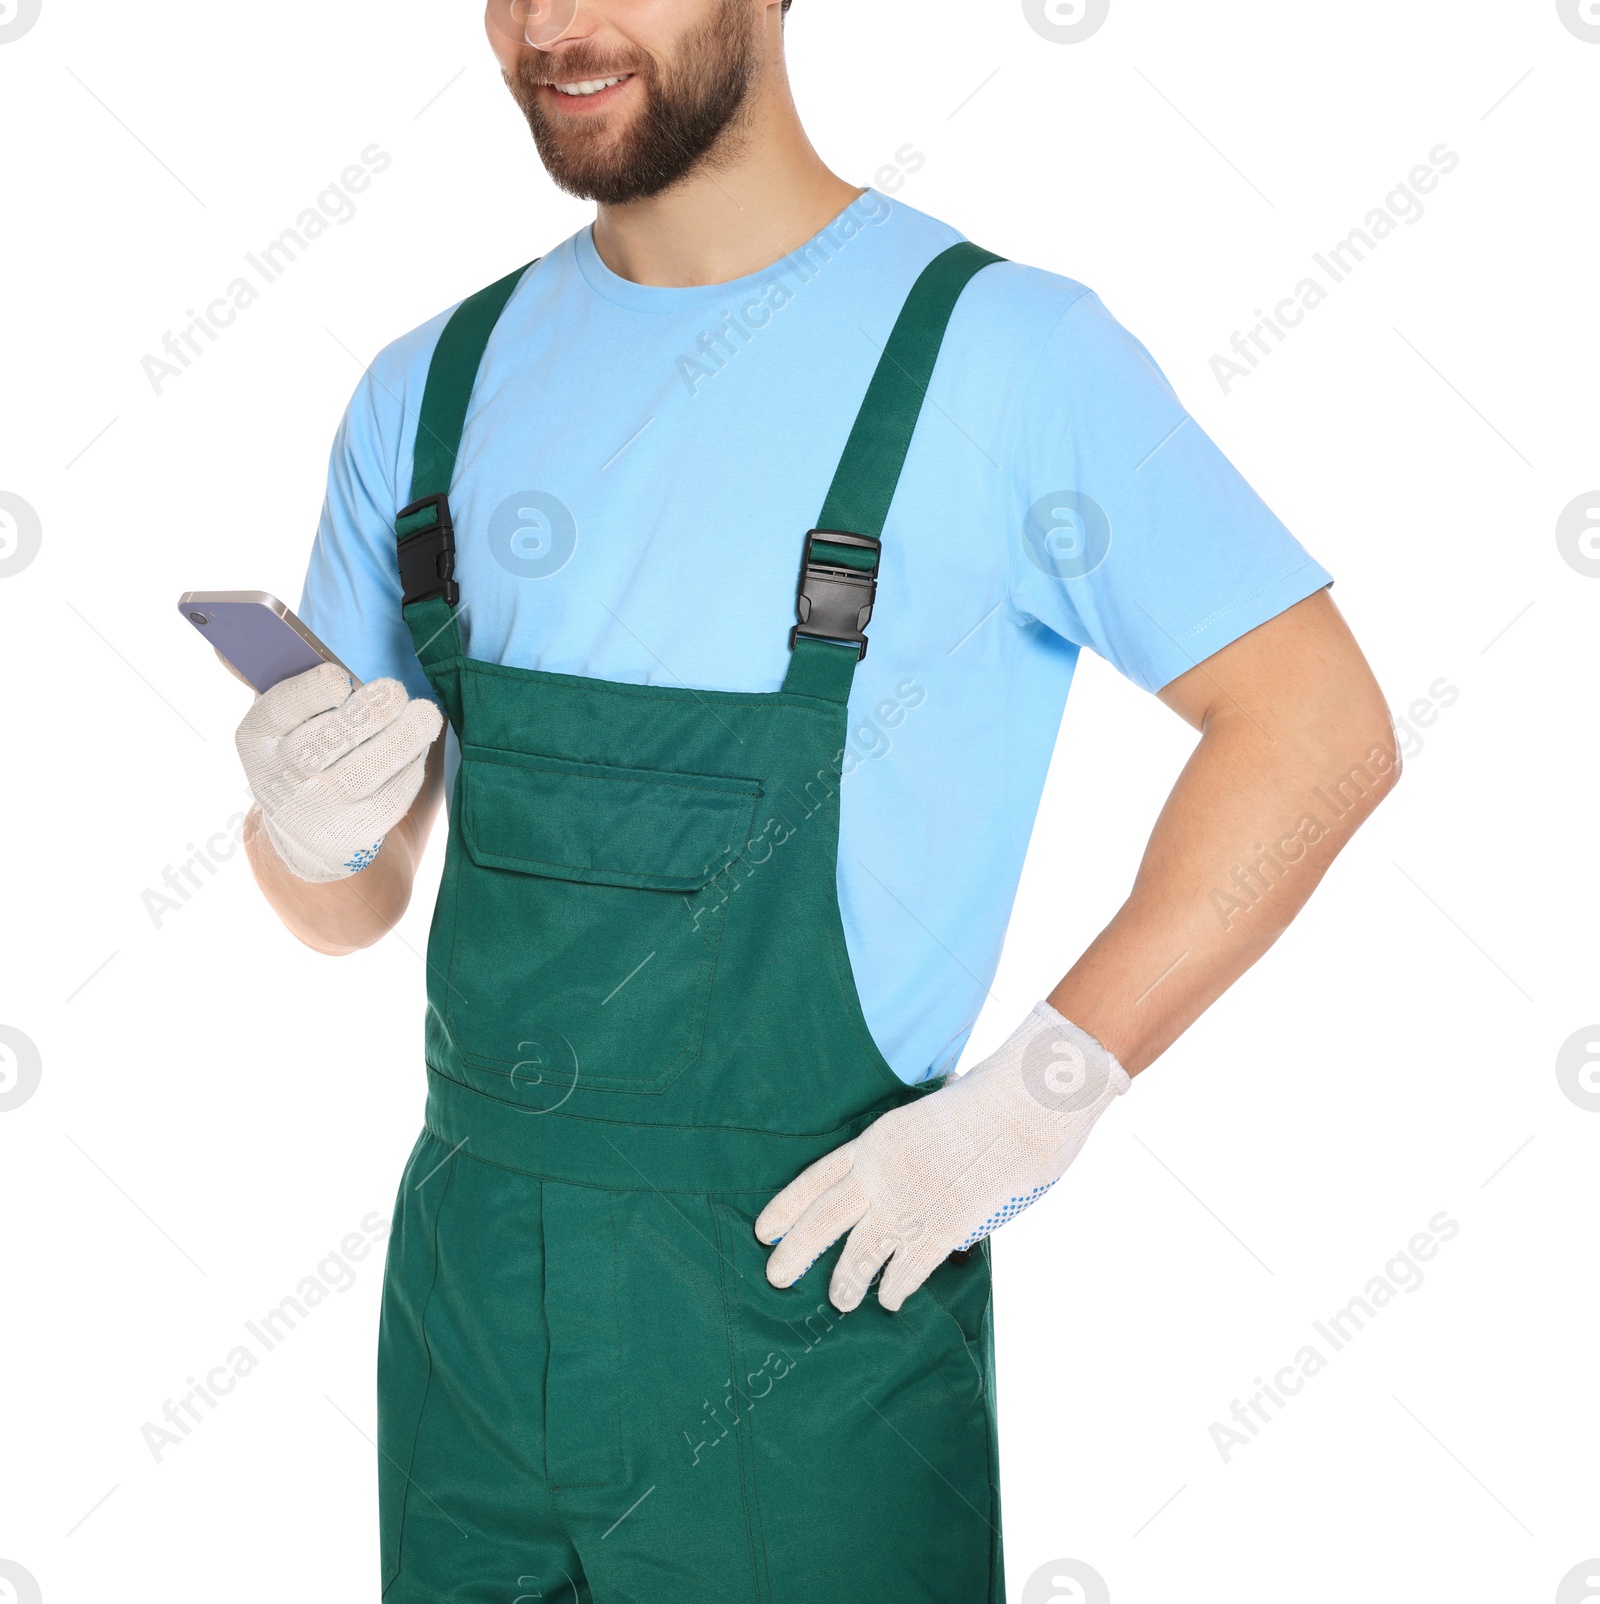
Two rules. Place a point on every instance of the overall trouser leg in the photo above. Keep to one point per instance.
(466, 1510)
(596, 1394)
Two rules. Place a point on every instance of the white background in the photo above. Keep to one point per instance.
(218, 1107)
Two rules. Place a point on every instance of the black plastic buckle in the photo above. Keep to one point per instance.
(428, 558)
(835, 602)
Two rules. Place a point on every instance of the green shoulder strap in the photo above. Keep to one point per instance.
(839, 571)
(425, 533)
(840, 564)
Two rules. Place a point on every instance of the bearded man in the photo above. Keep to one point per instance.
(688, 1288)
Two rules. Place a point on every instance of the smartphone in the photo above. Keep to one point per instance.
(255, 635)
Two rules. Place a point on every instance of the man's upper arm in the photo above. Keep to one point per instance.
(1299, 675)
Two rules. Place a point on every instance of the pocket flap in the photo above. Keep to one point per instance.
(552, 816)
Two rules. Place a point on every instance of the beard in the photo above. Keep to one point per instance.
(691, 114)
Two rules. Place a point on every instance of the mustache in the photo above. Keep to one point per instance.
(541, 69)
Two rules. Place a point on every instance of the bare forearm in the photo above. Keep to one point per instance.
(1276, 787)
(1229, 864)
(342, 916)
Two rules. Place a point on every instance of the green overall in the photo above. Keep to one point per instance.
(641, 1024)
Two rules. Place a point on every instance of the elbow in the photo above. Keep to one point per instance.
(1397, 762)
(1383, 742)
(1342, 740)
(1365, 756)
(344, 928)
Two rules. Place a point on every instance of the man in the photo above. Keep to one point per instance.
(722, 893)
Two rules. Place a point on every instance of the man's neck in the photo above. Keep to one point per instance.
(735, 214)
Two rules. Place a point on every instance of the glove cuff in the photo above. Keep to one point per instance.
(1058, 1079)
(1094, 1050)
(303, 866)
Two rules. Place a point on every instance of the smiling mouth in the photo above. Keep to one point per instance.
(588, 88)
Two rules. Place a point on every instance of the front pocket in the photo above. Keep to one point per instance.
(598, 824)
(586, 938)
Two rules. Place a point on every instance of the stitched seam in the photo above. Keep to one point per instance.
(755, 1477)
(922, 1343)
(628, 1125)
(840, 946)
(858, 1019)
(486, 859)
(1240, 601)
(705, 984)
(673, 694)
(511, 757)
(621, 1477)
(616, 1327)
(427, 1387)
(392, 1577)
(745, 1440)
(492, 1066)
(966, 1341)
(763, 1192)
(453, 994)
(439, 660)
(992, 1449)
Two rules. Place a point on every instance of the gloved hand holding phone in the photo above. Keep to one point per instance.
(334, 767)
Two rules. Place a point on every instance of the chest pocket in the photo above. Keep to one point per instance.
(585, 925)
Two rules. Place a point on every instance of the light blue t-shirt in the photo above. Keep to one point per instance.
(639, 471)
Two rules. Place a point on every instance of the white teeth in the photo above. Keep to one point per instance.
(590, 86)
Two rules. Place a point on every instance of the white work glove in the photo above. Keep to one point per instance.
(333, 768)
(940, 1174)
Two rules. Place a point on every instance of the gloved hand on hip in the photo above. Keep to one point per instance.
(940, 1174)
(334, 768)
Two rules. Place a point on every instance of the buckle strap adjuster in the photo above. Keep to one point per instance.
(427, 553)
(837, 588)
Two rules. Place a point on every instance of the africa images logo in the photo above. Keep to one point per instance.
(1066, 1581)
(532, 534)
(1581, 18)
(19, 1583)
(20, 534)
(1066, 534)
(16, 18)
(1581, 1585)
(1577, 534)
(1066, 22)
(1060, 1076)
(21, 1068)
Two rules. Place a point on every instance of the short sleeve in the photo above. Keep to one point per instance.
(1137, 537)
(351, 597)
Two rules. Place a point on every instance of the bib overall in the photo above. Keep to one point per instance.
(641, 1024)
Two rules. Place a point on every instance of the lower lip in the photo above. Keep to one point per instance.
(581, 105)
